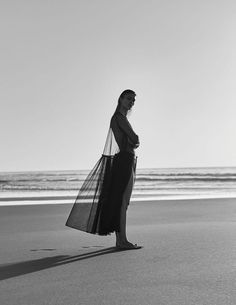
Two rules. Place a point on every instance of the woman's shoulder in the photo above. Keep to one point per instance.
(117, 120)
(113, 119)
(116, 116)
(119, 116)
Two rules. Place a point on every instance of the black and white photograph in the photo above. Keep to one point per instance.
(117, 152)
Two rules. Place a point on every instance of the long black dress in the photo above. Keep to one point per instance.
(98, 204)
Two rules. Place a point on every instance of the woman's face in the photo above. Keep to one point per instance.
(128, 101)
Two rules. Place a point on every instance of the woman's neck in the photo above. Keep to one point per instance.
(123, 111)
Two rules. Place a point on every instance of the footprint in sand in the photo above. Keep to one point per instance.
(49, 249)
(87, 247)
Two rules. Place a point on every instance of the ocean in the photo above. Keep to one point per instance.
(151, 183)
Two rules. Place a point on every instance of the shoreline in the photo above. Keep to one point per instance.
(67, 200)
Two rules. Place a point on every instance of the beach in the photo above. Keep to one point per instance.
(188, 256)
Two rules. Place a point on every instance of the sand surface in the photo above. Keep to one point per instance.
(189, 256)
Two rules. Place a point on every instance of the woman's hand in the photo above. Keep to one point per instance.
(134, 145)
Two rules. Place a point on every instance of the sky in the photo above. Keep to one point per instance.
(63, 65)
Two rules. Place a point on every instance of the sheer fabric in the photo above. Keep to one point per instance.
(97, 207)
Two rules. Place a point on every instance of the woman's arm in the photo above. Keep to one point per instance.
(134, 145)
(127, 129)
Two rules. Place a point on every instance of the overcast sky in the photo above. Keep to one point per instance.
(63, 65)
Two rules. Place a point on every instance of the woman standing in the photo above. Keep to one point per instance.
(109, 185)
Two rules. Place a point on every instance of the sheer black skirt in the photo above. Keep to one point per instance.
(98, 205)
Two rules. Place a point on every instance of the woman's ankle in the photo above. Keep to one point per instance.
(121, 241)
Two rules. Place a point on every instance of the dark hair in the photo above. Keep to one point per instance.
(127, 91)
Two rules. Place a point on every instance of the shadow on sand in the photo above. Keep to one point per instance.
(16, 269)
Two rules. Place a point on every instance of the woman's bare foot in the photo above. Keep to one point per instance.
(127, 245)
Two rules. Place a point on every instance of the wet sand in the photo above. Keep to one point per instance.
(188, 256)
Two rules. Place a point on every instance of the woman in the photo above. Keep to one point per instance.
(109, 185)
